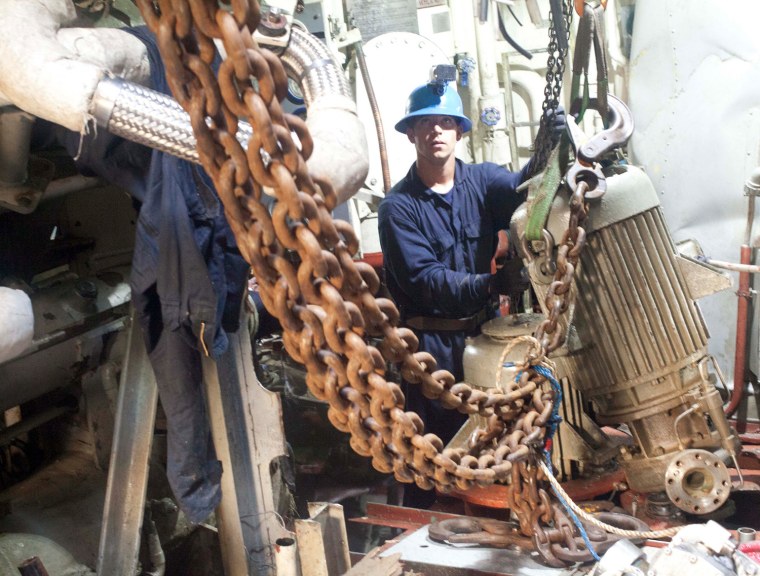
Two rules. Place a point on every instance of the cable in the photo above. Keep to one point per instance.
(511, 41)
(667, 533)
(553, 422)
(551, 428)
(572, 515)
(572, 508)
(514, 15)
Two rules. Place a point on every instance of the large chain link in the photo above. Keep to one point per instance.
(555, 71)
(325, 301)
(557, 299)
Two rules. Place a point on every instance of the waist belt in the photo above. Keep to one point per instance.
(448, 324)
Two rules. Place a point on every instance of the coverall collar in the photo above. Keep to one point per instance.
(423, 189)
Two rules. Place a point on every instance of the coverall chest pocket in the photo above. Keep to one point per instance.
(442, 245)
(479, 235)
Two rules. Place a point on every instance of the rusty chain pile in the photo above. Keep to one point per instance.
(324, 299)
(549, 542)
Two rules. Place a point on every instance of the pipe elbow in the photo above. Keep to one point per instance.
(340, 145)
(52, 71)
(752, 185)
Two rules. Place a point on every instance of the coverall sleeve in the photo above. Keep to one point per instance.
(410, 258)
(502, 198)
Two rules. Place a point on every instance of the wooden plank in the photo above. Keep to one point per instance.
(334, 536)
(374, 565)
(311, 548)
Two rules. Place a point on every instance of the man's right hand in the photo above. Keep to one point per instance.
(510, 279)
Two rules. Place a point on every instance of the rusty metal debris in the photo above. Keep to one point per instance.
(485, 532)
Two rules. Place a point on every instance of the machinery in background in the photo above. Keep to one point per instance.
(636, 359)
(635, 355)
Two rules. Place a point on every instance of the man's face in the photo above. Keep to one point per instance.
(434, 136)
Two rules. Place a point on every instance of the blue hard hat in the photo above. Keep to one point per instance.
(431, 99)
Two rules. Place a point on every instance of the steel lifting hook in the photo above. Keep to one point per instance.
(618, 133)
(589, 151)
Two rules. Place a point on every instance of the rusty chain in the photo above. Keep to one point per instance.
(557, 299)
(325, 301)
(558, 546)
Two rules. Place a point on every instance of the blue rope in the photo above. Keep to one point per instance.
(570, 513)
(553, 423)
(551, 428)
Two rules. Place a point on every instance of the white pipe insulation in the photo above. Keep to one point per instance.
(16, 323)
(52, 71)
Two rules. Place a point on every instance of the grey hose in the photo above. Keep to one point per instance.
(340, 151)
(309, 61)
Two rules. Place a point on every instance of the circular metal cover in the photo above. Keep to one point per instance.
(512, 326)
(397, 62)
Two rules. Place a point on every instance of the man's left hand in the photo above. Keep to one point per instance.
(510, 279)
(558, 125)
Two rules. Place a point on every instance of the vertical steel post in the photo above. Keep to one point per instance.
(128, 470)
(227, 513)
(255, 438)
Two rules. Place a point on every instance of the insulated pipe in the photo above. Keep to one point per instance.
(155, 120)
(149, 118)
(493, 130)
(462, 14)
(309, 61)
(514, 152)
(52, 72)
(340, 146)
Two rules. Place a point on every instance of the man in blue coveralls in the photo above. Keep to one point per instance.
(438, 232)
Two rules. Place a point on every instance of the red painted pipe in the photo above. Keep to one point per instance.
(740, 357)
